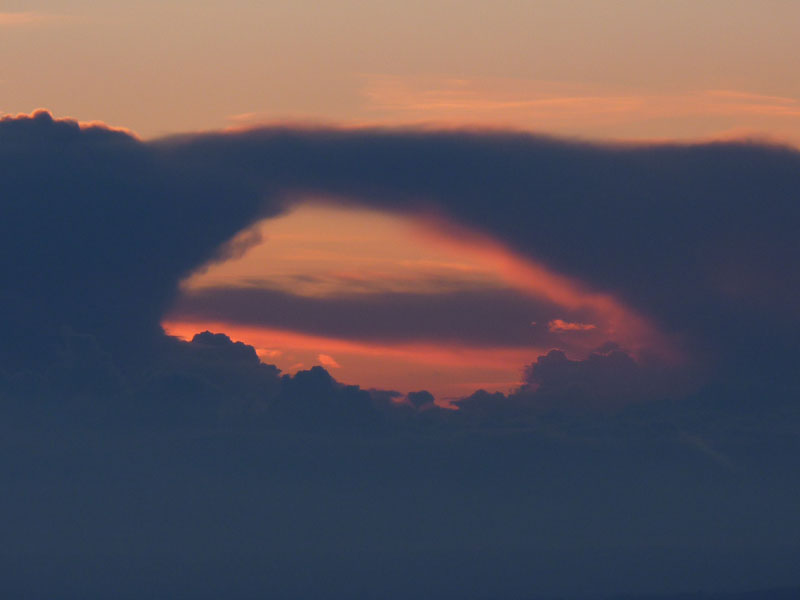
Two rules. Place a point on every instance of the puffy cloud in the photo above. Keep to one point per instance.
(420, 399)
(96, 233)
(312, 400)
(219, 347)
(600, 381)
(606, 381)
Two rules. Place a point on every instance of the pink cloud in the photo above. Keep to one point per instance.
(328, 361)
(561, 325)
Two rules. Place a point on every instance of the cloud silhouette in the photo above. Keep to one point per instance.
(100, 227)
(694, 236)
(420, 399)
(223, 477)
(93, 236)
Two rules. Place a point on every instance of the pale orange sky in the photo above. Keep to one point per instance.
(321, 250)
(631, 69)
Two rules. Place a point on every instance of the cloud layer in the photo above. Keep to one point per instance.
(135, 464)
(100, 227)
(488, 317)
(694, 236)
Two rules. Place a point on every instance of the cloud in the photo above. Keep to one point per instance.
(100, 227)
(96, 235)
(211, 380)
(421, 399)
(242, 479)
(488, 317)
(191, 468)
(602, 380)
(328, 361)
(640, 222)
(561, 325)
(607, 380)
(575, 108)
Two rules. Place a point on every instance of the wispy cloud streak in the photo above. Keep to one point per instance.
(565, 107)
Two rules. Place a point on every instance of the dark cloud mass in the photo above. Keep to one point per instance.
(489, 317)
(95, 233)
(695, 236)
(99, 227)
(137, 465)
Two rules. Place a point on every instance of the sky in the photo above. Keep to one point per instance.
(618, 69)
(625, 71)
(320, 252)
(300, 298)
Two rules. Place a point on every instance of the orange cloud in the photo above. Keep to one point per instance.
(542, 100)
(613, 318)
(317, 249)
(561, 325)
(328, 361)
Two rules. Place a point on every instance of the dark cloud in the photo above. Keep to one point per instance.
(213, 380)
(603, 380)
(420, 399)
(99, 227)
(695, 236)
(303, 515)
(606, 381)
(96, 232)
(136, 465)
(219, 348)
(500, 317)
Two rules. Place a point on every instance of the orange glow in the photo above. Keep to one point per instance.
(557, 108)
(466, 100)
(614, 319)
(580, 109)
(321, 250)
(448, 371)
(561, 325)
(265, 339)
(328, 361)
(597, 70)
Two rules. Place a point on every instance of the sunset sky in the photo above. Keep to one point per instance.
(322, 252)
(631, 71)
(398, 299)
(621, 69)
